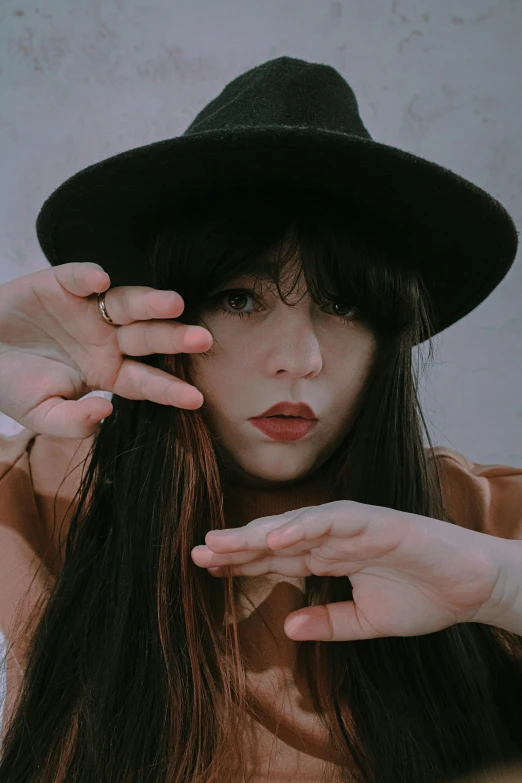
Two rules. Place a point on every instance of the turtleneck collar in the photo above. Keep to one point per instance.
(243, 504)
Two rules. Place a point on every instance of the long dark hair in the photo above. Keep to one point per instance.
(130, 674)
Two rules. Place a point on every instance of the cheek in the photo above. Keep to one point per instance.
(219, 380)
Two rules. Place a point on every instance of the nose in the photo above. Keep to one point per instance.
(294, 347)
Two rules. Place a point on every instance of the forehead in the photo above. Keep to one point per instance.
(282, 268)
(265, 283)
(264, 269)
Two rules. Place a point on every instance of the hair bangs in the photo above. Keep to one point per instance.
(275, 236)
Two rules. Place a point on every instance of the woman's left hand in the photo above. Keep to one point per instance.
(410, 574)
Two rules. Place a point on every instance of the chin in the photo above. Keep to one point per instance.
(276, 478)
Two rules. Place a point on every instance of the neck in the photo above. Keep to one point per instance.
(243, 502)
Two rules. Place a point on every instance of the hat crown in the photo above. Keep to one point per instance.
(284, 92)
(293, 124)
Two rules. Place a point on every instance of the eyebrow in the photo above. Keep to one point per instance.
(263, 276)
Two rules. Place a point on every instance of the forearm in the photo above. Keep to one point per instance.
(21, 589)
(504, 608)
(22, 583)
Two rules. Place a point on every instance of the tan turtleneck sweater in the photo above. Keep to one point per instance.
(288, 742)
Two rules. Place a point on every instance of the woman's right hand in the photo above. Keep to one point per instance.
(55, 348)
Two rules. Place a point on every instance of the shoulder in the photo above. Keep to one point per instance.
(18, 513)
(39, 476)
(486, 497)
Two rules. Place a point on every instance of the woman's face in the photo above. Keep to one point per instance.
(307, 353)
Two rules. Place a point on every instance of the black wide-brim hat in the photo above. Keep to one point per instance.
(291, 123)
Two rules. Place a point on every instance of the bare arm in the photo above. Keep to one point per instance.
(23, 583)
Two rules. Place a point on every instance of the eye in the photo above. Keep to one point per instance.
(232, 294)
(342, 306)
(239, 295)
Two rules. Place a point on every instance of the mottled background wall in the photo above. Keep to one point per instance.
(83, 80)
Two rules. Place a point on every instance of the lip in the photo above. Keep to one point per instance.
(295, 409)
(284, 429)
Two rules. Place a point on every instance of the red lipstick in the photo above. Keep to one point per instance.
(300, 409)
(301, 420)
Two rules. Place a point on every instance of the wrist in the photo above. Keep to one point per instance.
(504, 607)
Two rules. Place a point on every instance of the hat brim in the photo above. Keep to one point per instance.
(462, 240)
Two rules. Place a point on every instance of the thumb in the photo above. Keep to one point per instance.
(329, 623)
(310, 623)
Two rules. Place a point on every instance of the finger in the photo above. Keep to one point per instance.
(212, 558)
(338, 518)
(206, 558)
(251, 536)
(292, 566)
(71, 418)
(126, 304)
(337, 622)
(170, 337)
(137, 381)
(302, 530)
(82, 279)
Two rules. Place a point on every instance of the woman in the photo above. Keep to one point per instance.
(146, 666)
